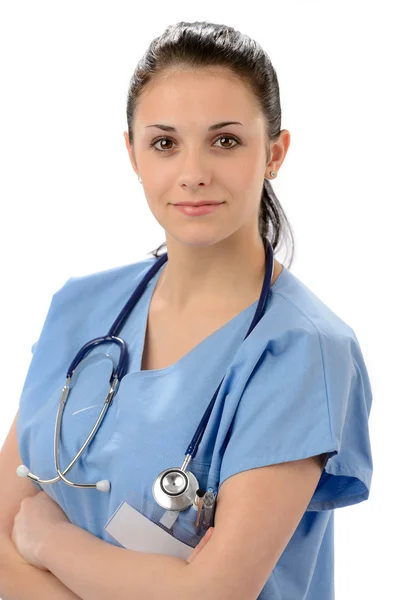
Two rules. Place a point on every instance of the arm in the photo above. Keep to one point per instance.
(96, 570)
(21, 581)
(266, 503)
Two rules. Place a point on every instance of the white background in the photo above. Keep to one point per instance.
(72, 205)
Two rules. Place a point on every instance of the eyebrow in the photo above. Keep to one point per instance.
(211, 128)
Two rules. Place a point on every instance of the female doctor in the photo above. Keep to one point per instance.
(214, 374)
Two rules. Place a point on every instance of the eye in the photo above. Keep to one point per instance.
(220, 137)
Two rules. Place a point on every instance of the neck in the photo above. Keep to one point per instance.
(210, 277)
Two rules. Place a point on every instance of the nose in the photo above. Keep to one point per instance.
(194, 169)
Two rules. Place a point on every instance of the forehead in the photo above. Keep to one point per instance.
(196, 98)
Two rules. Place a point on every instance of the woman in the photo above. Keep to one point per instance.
(287, 440)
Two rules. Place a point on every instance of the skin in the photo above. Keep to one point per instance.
(37, 519)
(207, 255)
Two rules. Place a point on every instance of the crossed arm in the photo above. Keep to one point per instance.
(257, 512)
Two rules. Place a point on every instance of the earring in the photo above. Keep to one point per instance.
(139, 178)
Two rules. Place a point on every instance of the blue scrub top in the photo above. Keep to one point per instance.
(296, 387)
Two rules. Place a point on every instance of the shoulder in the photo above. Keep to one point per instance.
(297, 326)
(92, 286)
(297, 305)
(302, 316)
(299, 348)
(84, 306)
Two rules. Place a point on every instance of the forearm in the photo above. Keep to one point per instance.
(96, 570)
(22, 581)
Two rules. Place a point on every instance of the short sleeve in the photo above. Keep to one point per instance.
(308, 394)
(49, 312)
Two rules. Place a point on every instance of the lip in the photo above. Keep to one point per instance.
(198, 210)
(201, 203)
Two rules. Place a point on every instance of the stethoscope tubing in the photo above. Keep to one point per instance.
(119, 370)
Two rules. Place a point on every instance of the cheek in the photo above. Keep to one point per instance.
(157, 199)
(249, 174)
(159, 190)
(246, 178)
(245, 196)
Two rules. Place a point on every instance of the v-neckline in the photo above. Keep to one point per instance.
(147, 296)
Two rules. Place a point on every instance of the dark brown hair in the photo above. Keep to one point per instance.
(202, 45)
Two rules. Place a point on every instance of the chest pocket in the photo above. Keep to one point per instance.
(139, 524)
(185, 528)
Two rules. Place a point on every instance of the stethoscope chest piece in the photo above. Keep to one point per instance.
(175, 489)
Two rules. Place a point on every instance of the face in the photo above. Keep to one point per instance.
(193, 163)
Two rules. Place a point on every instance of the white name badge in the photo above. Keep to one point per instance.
(134, 531)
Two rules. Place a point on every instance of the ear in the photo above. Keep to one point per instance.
(130, 152)
(278, 150)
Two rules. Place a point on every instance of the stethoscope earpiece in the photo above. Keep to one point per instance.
(103, 486)
(22, 471)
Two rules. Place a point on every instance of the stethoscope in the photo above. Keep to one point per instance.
(174, 489)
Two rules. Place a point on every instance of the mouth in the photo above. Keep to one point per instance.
(202, 203)
(198, 209)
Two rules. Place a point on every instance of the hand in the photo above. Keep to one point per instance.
(36, 520)
(202, 543)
